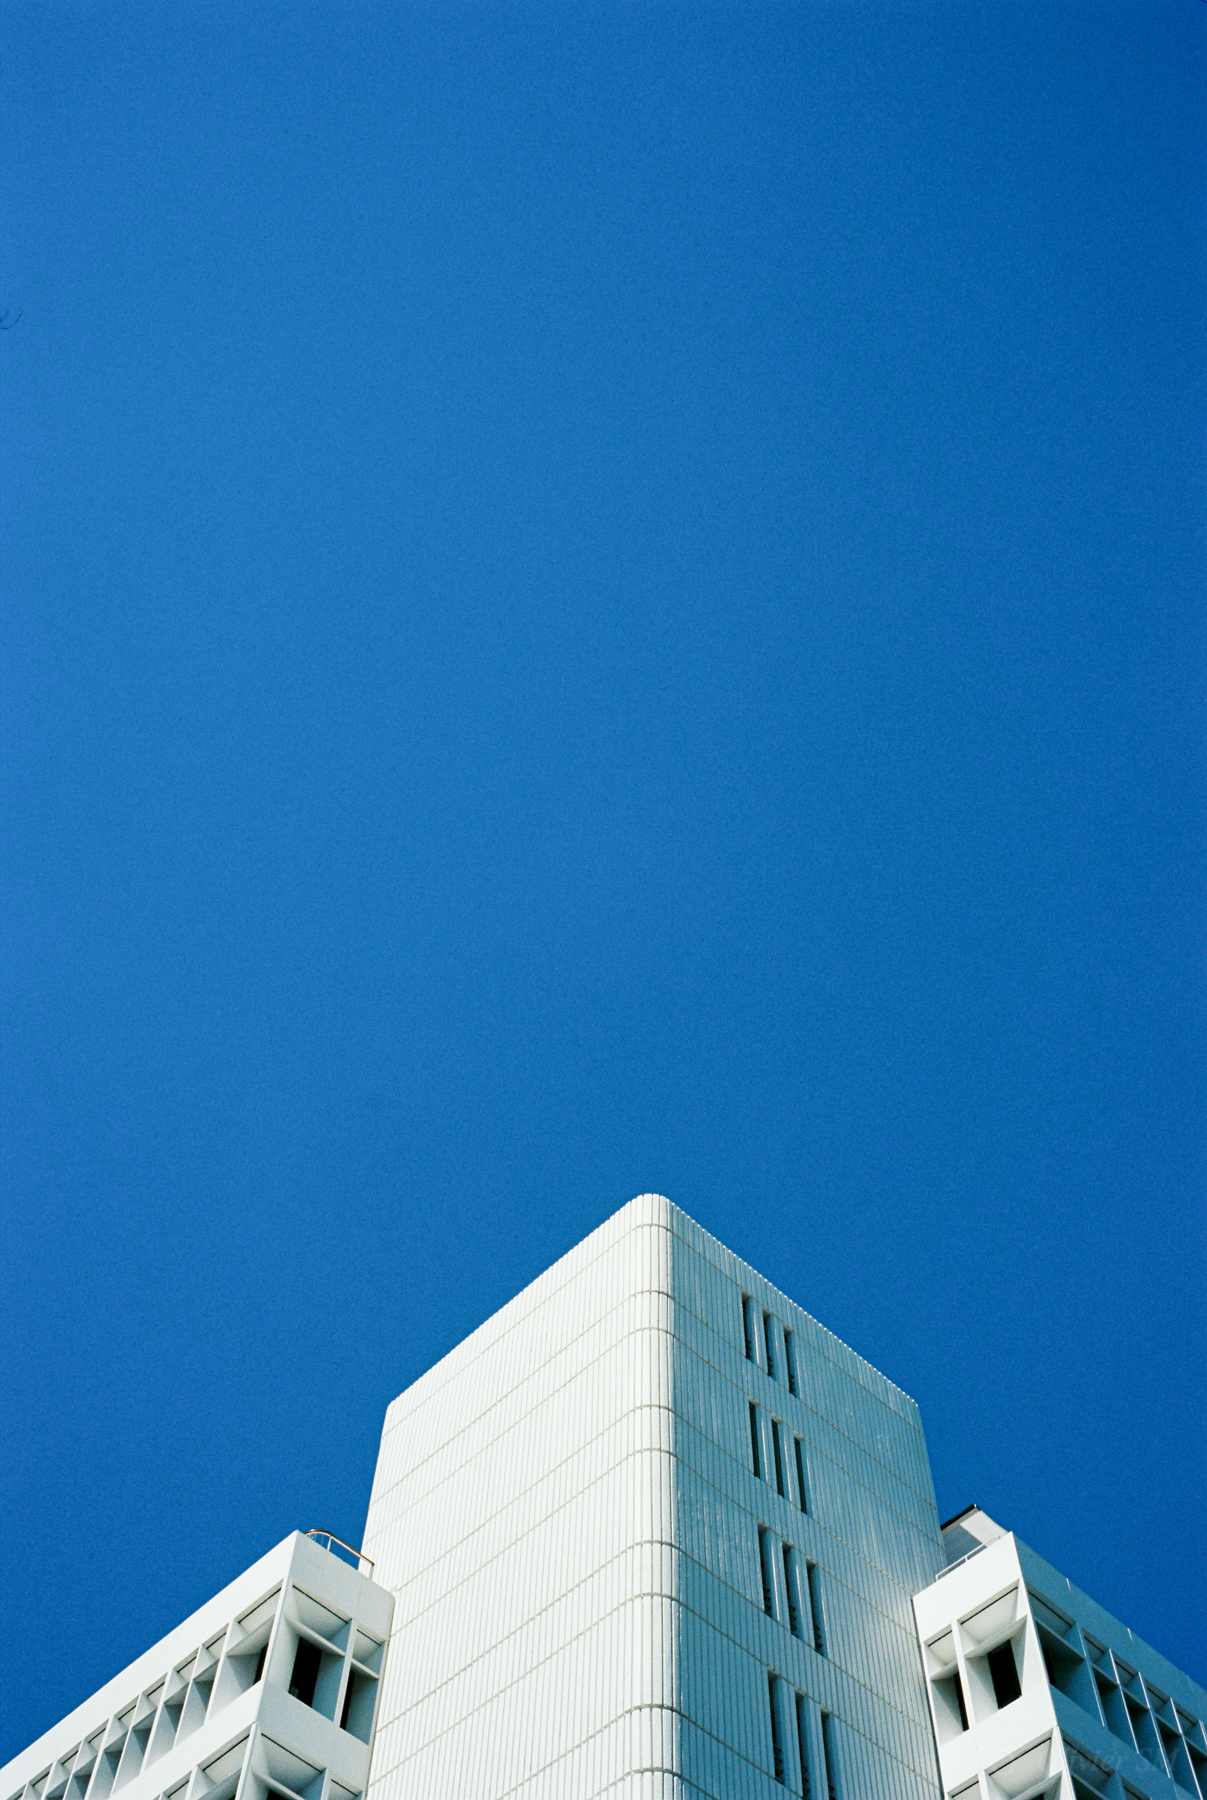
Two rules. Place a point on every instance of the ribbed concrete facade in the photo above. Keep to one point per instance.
(608, 1578)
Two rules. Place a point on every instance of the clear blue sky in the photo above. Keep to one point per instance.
(596, 598)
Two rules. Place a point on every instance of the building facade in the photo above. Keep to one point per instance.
(651, 1530)
(649, 1533)
(270, 1691)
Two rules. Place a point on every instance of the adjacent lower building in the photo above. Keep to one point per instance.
(649, 1533)
(1036, 1690)
(269, 1691)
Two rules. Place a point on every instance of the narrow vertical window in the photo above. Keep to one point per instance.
(747, 1333)
(779, 1456)
(259, 1674)
(802, 1486)
(755, 1458)
(769, 1340)
(802, 1739)
(828, 1756)
(777, 1742)
(790, 1587)
(765, 1571)
(790, 1361)
(819, 1630)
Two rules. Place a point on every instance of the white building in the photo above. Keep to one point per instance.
(268, 1692)
(1036, 1690)
(649, 1533)
(651, 1530)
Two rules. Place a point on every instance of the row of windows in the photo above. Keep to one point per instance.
(814, 1780)
(796, 1601)
(775, 1469)
(767, 1334)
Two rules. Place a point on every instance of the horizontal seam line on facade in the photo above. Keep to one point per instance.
(642, 1707)
(644, 1406)
(910, 1418)
(779, 1293)
(475, 1573)
(818, 1522)
(583, 1372)
(520, 1318)
(640, 1450)
(629, 1600)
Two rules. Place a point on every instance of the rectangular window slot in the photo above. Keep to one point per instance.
(777, 1743)
(769, 1341)
(802, 1742)
(755, 1458)
(790, 1361)
(747, 1328)
(791, 1588)
(765, 1573)
(829, 1756)
(802, 1486)
(779, 1456)
(819, 1630)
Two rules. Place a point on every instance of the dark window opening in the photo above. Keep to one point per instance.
(259, 1674)
(768, 1339)
(819, 1635)
(829, 1756)
(949, 1690)
(790, 1360)
(754, 1439)
(346, 1708)
(747, 1334)
(802, 1739)
(777, 1747)
(801, 1485)
(779, 1456)
(1003, 1672)
(765, 1573)
(790, 1588)
(306, 1666)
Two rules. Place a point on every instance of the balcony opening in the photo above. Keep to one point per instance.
(1003, 1673)
(307, 1664)
(951, 1714)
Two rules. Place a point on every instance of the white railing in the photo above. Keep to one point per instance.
(960, 1561)
(326, 1539)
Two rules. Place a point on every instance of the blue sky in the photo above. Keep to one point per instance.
(596, 598)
